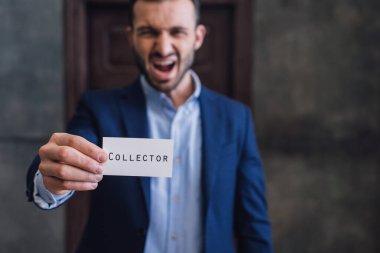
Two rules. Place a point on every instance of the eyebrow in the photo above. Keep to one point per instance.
(146, 27)
(151, 28)
(179, 28)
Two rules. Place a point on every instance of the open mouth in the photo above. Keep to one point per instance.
(163, 70)
(164, 67)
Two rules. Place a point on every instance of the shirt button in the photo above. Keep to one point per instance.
(176, 199)
(173, 237)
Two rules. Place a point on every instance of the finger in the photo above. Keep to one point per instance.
(58, 186)
(81, 144)
(70, 156)
(67, 172)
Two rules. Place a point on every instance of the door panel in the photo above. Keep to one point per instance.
(111, 62)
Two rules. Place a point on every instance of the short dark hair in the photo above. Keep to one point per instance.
(197, 5)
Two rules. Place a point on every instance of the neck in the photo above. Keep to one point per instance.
(183, 91)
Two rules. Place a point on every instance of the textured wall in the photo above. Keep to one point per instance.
(317, 113)
(31, 108)
(316, 97)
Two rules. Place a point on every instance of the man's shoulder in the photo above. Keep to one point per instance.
(221, 100)
(107, 95)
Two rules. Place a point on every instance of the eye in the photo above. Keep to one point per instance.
(178, 32)
(147, 32)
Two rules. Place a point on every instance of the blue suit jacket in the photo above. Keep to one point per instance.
(235, 211)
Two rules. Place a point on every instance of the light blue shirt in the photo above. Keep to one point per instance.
(44, 198)
(176, 203)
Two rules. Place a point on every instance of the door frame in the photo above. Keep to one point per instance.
(76, 76)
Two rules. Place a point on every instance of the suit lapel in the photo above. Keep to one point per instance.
(135, 120)
(133, 107)
(211, 132)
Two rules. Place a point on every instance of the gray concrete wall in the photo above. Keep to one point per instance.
(31, 108)
(316, 97)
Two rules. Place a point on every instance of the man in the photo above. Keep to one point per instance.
(215, 200)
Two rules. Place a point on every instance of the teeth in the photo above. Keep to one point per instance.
(164, 64)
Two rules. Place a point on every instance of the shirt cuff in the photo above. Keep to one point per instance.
(44, 198)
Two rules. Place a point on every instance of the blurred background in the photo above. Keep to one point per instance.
(316, 102)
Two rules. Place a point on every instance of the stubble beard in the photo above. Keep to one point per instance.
(188, 62)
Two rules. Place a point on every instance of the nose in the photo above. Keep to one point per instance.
(164, 44)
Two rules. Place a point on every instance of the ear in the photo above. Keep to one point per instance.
(129, 31)
(200, 34)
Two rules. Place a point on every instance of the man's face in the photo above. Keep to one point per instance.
(164, 38)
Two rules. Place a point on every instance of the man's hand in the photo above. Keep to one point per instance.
(69, 162)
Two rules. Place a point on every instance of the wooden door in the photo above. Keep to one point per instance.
(97, 55)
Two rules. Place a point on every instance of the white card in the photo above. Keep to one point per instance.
(138, 157)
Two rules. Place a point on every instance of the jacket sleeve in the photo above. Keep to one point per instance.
(82, 124)
(251, 213)
(30, 178)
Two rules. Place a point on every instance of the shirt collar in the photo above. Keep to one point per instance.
(157, 97)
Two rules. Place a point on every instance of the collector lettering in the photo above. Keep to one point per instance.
(137, 157)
